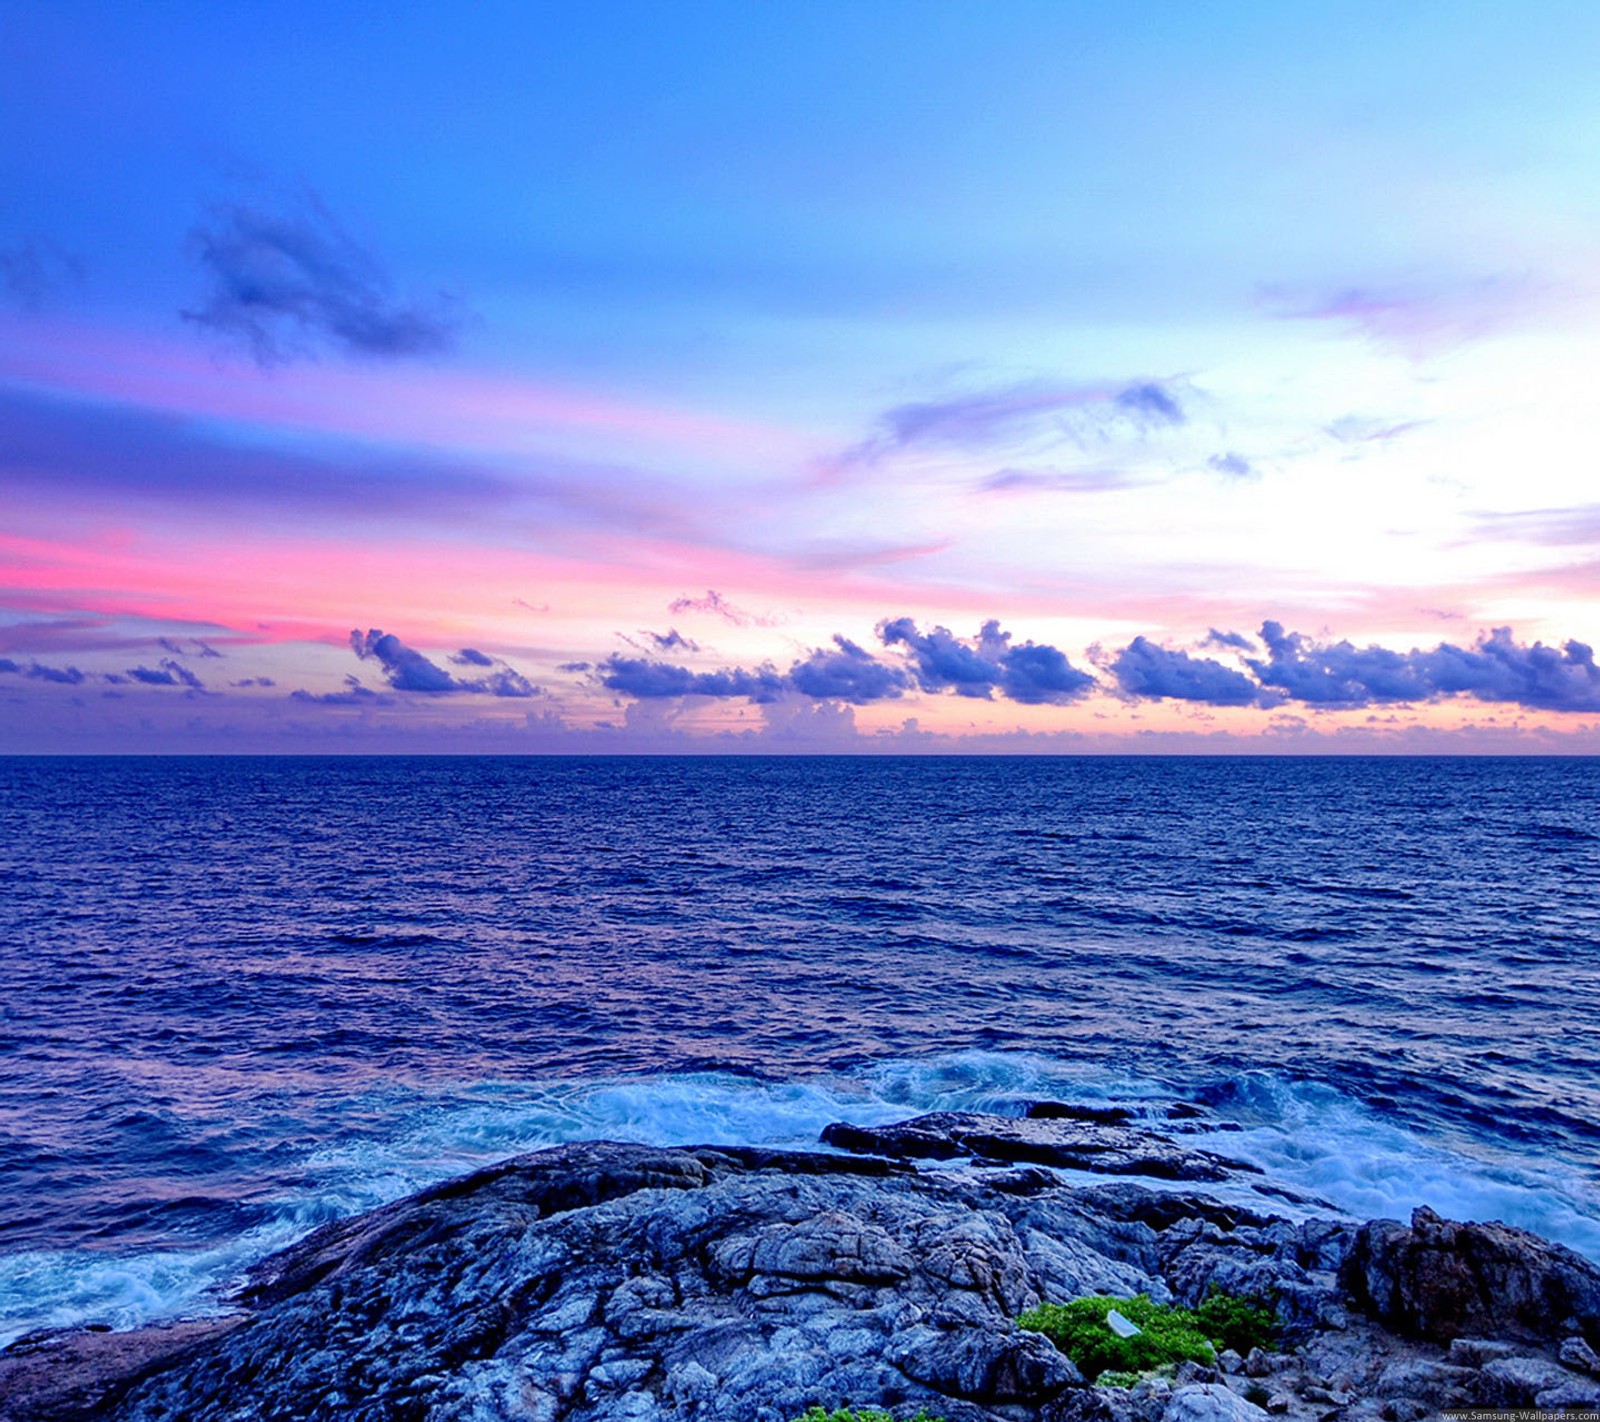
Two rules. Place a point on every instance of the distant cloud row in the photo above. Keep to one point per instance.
(1276, 669)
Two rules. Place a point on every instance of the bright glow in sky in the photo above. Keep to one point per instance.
(849, 376)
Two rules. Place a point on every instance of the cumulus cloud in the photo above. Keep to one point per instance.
(1028, 672)
(1496, 668)
(848, 673)
(1144, 669)
(472, 657)
(845, 672)
(286, 285)
(638, 676)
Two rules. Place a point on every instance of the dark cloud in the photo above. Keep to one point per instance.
(284, 286)
(575, 667)
(1495, 669)
(637, 676)
(33, 272)
(169, 673)
(1029, 672)
(1236, 466)
(1144, 669)
(844, 672)
(74, 446)
(62, 676)
(253, 681)
(848, 673)
(1561, 678)
(1236, 640)
(406, 669)
(1336, 674)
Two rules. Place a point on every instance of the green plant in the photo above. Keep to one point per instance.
(817, 1413)
(1079, 1329)
(1115, 1379)
(1237, 1322)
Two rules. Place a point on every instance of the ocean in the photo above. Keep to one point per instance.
(241, 997)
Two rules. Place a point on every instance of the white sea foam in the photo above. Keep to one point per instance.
(1308, 1137)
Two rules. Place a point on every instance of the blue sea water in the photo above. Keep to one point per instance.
(239, 997)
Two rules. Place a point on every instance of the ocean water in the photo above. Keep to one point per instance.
(240, 997)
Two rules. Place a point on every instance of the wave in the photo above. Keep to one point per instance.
(1304, 1135)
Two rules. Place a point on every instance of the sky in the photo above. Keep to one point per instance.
(839, 377)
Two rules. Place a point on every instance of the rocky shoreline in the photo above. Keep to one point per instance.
(611, 1282)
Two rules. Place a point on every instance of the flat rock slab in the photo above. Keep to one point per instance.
(1062, 1141)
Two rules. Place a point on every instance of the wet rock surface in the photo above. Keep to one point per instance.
(1075, 1138)
(614, 1281)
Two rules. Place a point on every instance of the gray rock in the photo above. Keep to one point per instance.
(1517, 1382)
(1576, 1394)
(1575, 1353)
(1064, 1142)
(1209, 1402)
(1440, 1279)
(1475, 1352)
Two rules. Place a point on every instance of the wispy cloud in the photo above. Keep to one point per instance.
(1577, 524)
(289, 285)
(33, 272)
(1034, 416)
(57, 445)
(716, 605)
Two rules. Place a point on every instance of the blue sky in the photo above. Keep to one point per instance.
(526, 330)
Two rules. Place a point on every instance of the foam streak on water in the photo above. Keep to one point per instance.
(241, 997)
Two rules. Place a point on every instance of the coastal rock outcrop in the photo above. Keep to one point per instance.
(1083, 1140)
(1441, 1280)
(608, 1282)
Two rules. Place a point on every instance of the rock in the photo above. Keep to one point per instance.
(1576, 1394)
(1475, 1352)
(1439, 1280)
(626, 1283)
(1517, 1382)
(1575, 1353)
(1070, 1143)
(1229, 1361)
(1424, 1380)
(1209, 1402)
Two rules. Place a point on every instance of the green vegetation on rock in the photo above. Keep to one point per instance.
(1167, 1334)
(858, 1414)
